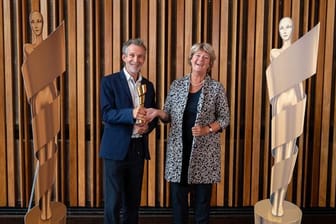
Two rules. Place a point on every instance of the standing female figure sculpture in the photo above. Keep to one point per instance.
(40, 102)
(285, 75)
(285, 153)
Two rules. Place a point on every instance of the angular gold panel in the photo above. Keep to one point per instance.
(46, 62)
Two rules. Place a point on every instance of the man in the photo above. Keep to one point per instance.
(124, 144)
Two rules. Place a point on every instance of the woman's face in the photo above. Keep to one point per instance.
(200, 61)
(36, 23)
(286, 29)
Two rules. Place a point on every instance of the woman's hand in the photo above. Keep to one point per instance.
(198, 130)
(151, 113)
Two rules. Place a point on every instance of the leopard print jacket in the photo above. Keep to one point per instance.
(204, 165)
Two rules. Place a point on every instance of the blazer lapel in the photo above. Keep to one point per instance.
(124, 84)
(205, 91)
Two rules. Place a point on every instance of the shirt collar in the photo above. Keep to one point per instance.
(129, 77)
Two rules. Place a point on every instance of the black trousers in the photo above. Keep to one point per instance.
(122, 185)
(200, 200)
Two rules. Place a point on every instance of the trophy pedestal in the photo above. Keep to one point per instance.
(263, 214)
(58, 215)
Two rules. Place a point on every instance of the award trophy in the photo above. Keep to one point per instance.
(141, 89)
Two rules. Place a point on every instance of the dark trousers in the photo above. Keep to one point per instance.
(122, 186)
(200, 200)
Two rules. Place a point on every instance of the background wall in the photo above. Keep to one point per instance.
(242, 33)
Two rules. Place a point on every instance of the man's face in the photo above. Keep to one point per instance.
(134, 59)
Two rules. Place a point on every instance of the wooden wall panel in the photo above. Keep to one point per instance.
(91, 101)
(96, 119)
(318, 107)
(307, 134)
(117, 28)
(71, 77)
(144, 21)
(9, 159)
(108, 41)
(62, 164)
(81, 20)
(259, 86)
(242, 34)
(332, 146)
(240, 58)
(153, 55)
(247, 100)
(266, 152)
(222, 64)
(326, 105)
(234, 106)
(217, 198)
(163, 37)
(180, 27)
(300, 158)
(333, 159)
(22, 123)
(3, 148)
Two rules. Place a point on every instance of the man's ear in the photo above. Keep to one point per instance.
(123, 57)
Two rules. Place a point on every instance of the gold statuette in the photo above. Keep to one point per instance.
(141, 89)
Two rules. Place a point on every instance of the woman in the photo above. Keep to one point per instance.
(197, 109)
(280, 103)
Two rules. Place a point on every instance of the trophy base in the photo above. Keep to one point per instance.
(263, 214)
(58, 215)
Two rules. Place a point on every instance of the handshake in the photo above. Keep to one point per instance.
(143, 116)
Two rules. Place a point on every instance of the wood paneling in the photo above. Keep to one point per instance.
(71, 78)
(326, 105)
(9, 74)
(3, 150)
(242, 34)
(81, 110)
(257, 101)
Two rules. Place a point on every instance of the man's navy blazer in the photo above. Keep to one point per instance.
(117, 115)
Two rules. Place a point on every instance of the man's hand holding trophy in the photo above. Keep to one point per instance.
(139, 113)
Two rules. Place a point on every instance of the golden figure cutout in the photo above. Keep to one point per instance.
(44, 61)
(290, 66)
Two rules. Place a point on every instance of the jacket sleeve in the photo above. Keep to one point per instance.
(111, 110)
(222, 108)
(150, 102)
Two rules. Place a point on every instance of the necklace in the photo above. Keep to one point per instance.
(196, 84)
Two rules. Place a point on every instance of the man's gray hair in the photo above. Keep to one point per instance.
(136, 41)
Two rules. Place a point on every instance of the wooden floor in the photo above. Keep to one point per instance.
(163, 216)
